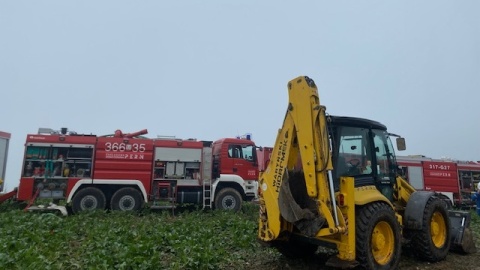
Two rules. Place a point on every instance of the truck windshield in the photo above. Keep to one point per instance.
(241, 151)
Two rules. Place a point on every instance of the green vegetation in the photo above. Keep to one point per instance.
(475, 226)
(151, 240)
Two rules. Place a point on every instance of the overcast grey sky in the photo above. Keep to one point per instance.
(212, 69)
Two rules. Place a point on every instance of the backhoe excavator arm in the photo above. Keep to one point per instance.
(298, 198)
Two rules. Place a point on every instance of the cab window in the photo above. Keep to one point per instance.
(241, 151)
(354, 155)
(383, 152)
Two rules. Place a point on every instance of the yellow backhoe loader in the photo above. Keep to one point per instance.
(333, 181)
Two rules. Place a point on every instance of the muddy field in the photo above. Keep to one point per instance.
(454, 260)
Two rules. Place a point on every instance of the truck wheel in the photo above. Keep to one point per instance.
(228, 199)
(293, 249)
(432, 242)
(378, 237)
(88, 199)
(127, 199)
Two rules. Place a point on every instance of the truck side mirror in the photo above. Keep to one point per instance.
(401, 144)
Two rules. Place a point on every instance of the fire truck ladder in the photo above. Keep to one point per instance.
(207, 194)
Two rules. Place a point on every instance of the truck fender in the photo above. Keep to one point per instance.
(231, 179)
(414, 210)
(84, 182)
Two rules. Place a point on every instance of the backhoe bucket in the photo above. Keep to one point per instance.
(297, 207)
(461, 235)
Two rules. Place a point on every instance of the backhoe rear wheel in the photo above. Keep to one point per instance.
(378, 237)
(432, 242)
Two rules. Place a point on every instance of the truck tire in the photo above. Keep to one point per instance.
(432, 242)
(88, 199)
(228, 199)
(127, 199)
(378, 237)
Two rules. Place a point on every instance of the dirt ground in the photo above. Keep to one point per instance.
(454, 261)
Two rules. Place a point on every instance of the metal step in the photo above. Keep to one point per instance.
(165, 200)
(50, 208)
(160, 207)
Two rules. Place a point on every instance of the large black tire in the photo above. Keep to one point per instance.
(228, 199)
(295, 249)
(127, 199)
(378, 237)
(88, 199)
(432, 242)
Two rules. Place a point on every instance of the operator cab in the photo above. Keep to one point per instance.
(362, 149)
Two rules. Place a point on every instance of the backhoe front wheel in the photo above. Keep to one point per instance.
(378, 237)
(432, 242)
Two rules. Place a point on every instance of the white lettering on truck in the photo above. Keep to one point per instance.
(122, 147)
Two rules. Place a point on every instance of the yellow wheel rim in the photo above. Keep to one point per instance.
(438, 229)
(383, 243)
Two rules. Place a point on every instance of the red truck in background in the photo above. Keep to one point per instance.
(456, 179)
(263, 155)
(4, 141)
(127, 171)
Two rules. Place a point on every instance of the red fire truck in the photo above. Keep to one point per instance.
(126, 171)
(456, 179)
